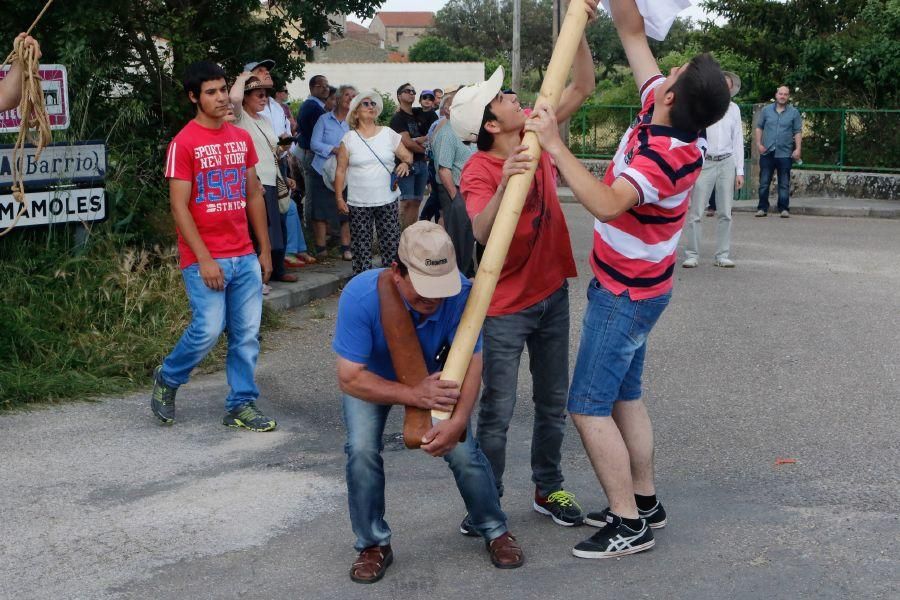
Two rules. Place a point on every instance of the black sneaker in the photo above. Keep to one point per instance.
(615, 539)
(162, 398)
(466, 528)
(249, 417)
(655, 517)
(561, 507)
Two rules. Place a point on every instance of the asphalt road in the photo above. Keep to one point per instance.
(793, 354)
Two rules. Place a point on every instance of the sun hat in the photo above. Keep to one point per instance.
(735, 82)
(255, 83)
(467, 110)
(371, 95)
(426, 250)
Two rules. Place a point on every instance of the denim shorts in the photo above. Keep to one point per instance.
(412, 187)
(611, 355)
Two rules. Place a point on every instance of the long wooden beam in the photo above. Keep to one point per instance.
(511, 206)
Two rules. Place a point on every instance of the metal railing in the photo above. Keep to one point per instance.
(834, 139)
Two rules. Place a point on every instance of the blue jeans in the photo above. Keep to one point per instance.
(768, 164)
(239, 307)
(365, 477)
(295, 243)
(544, 327)
(611, 353)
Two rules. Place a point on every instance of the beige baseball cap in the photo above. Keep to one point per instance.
(467, 110)
(426, 250)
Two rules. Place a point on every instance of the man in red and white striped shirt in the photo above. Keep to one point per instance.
(640, 209)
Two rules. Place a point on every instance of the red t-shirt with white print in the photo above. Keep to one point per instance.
(635, 252)
(215, 161)
(540, 258)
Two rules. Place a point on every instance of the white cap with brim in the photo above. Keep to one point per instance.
(467, 110)
(266, 62)
(371, 95)
(427, 251)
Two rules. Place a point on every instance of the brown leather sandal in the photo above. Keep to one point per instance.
(505, 552)
(371, 564)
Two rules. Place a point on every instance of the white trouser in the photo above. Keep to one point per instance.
(718, 175)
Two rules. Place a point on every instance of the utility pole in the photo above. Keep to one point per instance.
(559, 11)
(517, 46)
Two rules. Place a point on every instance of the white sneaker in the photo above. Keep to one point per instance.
(690, 263)
(725, 262)
(761, 213)
(785, 214)
(266, 288)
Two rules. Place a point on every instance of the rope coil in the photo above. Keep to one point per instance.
(33, 113)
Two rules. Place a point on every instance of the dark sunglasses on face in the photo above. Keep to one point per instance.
(368, 104)
(409, 91)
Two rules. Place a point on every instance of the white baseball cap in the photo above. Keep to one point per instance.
(467, 110)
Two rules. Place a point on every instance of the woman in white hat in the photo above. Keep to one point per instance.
(365, 164)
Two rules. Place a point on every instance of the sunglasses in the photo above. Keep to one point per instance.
(368, 104)
(408, 91)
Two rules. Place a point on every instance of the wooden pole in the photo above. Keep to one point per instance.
(511, 206)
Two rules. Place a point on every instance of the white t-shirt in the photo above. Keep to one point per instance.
(260, 131)
(368, 180)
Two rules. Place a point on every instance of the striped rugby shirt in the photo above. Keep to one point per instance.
(635, 252)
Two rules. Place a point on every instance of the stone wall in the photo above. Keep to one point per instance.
(842, 184)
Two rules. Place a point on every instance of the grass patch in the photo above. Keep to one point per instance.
(77, 322)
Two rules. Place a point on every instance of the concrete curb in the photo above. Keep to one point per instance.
(319, 281)
(831, 211)
(818, 207)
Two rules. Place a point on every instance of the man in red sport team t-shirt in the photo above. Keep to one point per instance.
(640, 208)
(213, 188)
(531, 303)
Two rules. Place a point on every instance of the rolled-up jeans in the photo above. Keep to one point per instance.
(365, 477)
(544, 327)
(239, 307)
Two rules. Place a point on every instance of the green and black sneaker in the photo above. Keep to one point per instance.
(249, 417)
(162, 398)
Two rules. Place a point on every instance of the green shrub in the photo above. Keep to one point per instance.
(78, 322)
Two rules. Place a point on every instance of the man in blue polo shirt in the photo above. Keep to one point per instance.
(779, 135)
(435, 293)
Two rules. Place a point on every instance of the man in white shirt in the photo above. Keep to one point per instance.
(723, 171)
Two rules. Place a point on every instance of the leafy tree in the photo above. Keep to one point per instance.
(775, 36)
(436, 49)
(125, 60)
(486, 27)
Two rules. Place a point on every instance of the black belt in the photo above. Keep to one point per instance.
(718, 157)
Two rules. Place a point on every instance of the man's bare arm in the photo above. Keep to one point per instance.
(411, 144)
(11, 85)
(583, 77)
(630, 26)
(446, 177)
(431, 393)
(179, 199)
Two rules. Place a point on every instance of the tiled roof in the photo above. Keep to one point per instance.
(406, 19)
(355, 28)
